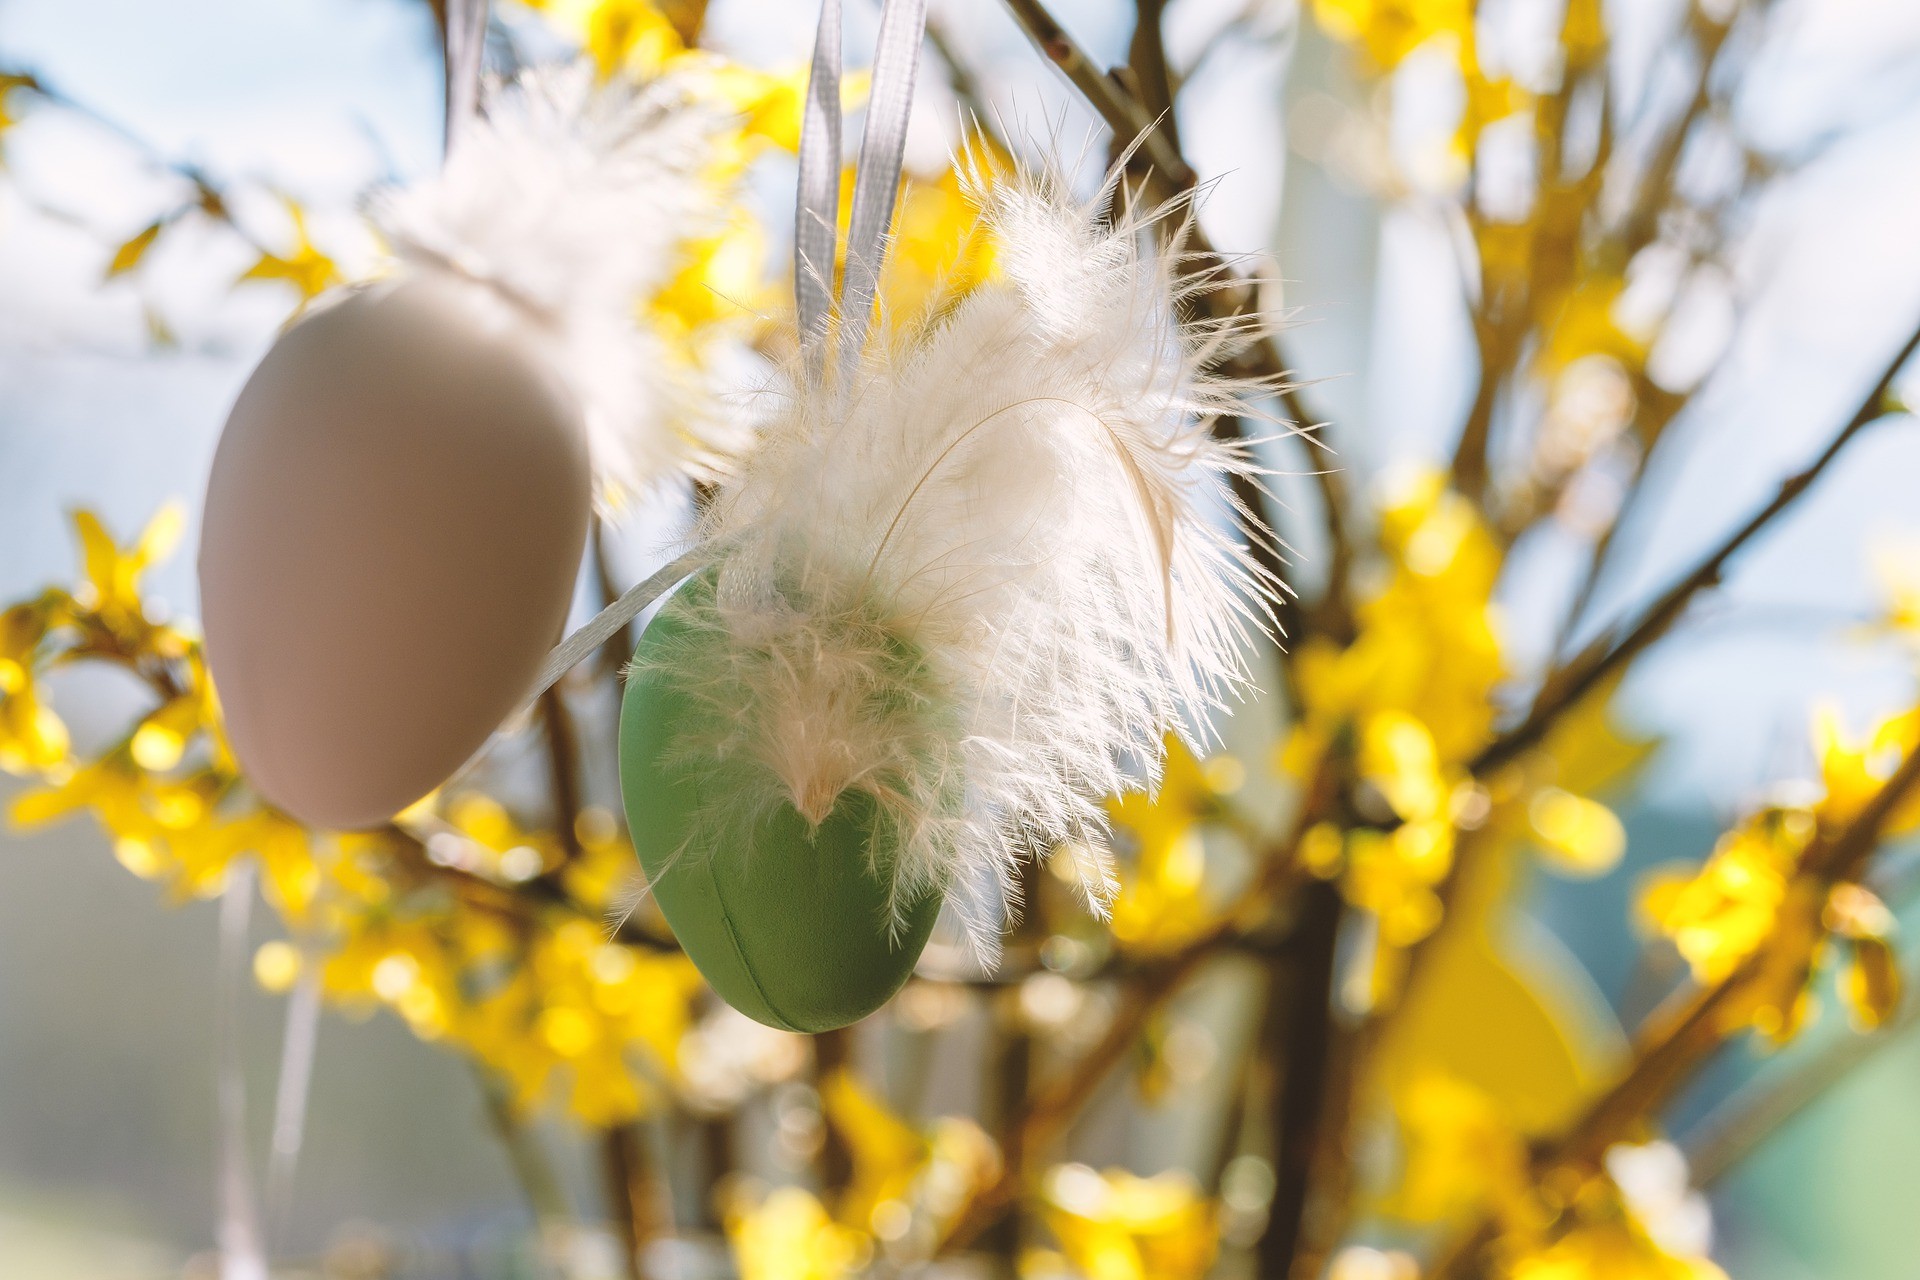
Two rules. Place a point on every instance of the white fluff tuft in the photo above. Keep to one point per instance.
(982, 579)
(571, 199)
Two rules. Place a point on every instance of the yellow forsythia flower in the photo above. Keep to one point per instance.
(304, 267)
(1117, 1226)
(1719, 914)
(1579, 836)
(1161, 903)
(790, 1236)
(1389, 30)
(1460, 1154)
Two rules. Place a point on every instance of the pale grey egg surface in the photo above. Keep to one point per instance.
(393, 525)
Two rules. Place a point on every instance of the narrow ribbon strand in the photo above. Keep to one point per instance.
(896, 61)
(817, 212)
(882, 146)
(601, 627)
(242, 1253)
(465, 45)
(298, 1043)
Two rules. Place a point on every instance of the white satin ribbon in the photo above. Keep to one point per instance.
(896, 61)
(466, 47)
(816, 217)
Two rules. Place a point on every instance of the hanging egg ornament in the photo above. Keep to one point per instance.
(396, 512)
(955, 598)
(790, 917)
(399, 503)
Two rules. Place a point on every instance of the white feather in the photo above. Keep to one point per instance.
(571, 199)
(983, 578)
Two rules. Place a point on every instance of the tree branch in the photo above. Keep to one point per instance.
(531, 1168)
(1681, 1038)
(1739, 1126)
(1300, 1034)
(1147, 59)
(1168, 175)
(960, 77)
(632, 1193)
(1057, 1102)
(563, 769)
(1610, 651)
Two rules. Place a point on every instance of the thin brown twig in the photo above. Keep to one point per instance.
(1147, 59)
(1655, 410)
(1168, 175)
(516, 903)
(208, 197)
(1503, 318)
(1054, 1106)
(1300, 1039)
(1741, 1125)
(632, 1194)
(563, 769)
(1682, 1036)
(1656, 406)
(960, 78)
(832, 1054)
(619, 646)
(1056, 1103)
(1642, 221)
(1679, 1039)
(1618, 646)
(531, 1168)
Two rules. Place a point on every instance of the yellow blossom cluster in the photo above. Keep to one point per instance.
(1612, 1249)
(1757, 889)
(167, 790)
(1411, 701)
(536, 997)
(1408, 699)
(1389, 30)
(1633, 1218)
(908, 1186)
(789, 1235)
(1460, 1154)
(1717, 917)
(1116, 1225)
(1163, 902)
(532, 988)
(1427, 644)
(909, 1182)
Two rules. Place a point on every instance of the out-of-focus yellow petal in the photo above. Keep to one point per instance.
(1580, 837)
(1118, 1226)
(790, 1236)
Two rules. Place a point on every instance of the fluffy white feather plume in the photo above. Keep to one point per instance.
(984, 577)
(570, 199)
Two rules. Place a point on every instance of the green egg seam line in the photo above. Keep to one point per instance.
(739, 952)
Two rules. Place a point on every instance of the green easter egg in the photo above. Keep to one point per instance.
(790, 927)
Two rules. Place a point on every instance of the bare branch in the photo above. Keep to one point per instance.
(1681, 1037)
(1168, 175)
(1621, 644)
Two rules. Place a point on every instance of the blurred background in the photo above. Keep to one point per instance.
(1333, 173)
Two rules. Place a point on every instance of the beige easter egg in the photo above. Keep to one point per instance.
(393, 525)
